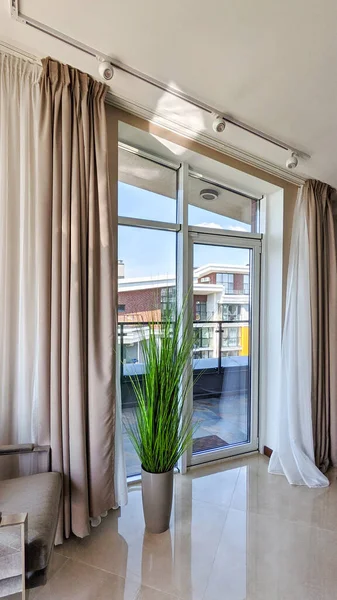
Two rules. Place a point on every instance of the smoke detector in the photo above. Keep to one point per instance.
(209, 194)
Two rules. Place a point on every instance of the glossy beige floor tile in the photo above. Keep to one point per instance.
(177, 562)
(77, 581)
(261, 557)
(258, 491)
(57, 562)
(213, 486)
(237, 533)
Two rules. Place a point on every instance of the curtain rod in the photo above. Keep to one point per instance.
(8, 49)
(26, 20)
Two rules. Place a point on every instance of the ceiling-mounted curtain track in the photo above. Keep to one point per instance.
(13, 50)
(16, 14)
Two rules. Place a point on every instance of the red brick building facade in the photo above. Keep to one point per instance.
(139, 305)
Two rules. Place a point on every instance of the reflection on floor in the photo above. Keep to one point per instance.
(237, 533)
(225, 418)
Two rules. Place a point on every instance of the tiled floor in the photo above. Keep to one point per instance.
(226, 418)
(237, 533)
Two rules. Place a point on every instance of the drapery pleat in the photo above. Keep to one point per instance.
(78, 302)
(58, 270)
(323, 295)
(307, 427)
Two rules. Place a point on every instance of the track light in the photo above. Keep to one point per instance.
(106, 70)
(219, 124)
(292, 162)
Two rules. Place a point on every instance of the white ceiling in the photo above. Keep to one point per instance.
(270, 64)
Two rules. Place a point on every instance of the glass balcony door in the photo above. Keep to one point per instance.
(225, 272)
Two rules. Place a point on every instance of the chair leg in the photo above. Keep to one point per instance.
(24, 545)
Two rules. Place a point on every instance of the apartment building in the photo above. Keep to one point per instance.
(220, 309)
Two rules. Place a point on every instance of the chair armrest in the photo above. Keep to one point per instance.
(15, 519)
(22, 449)
(18, 449)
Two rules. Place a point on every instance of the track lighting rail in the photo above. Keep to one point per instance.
(25, 19)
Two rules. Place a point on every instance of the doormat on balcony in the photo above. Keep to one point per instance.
(208, 442)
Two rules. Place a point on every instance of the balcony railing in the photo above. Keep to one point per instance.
(230, 291)
(204, 316)
(215, 374)
(212, 339)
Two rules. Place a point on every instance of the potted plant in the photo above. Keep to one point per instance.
(161, 429)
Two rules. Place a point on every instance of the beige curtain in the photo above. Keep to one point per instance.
(19, 142)
(321, 220)
(78, 296)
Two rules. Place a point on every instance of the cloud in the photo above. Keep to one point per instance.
(217, 226)
(237, 228)
(212, 225)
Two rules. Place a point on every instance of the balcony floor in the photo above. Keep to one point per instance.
(219, 419)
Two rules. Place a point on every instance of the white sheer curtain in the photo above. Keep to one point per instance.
(293, 455)
(19, 110)
(121, 488)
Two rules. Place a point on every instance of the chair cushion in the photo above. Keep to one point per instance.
(39, 496)
(10, 586)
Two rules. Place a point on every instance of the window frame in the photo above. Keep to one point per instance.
(168, 299)
(228, 316)
(227, 281)
(202, 314)
(206, 335)
(246, 286)
(236, 339)
(253, 243)
(186, 235)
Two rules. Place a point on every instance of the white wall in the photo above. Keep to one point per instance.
(271, 317)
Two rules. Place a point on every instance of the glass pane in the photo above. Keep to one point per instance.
(146, 190)
(221, 355)
(225, 211)
(146, 287)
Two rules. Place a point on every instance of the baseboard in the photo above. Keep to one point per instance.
(267, 451)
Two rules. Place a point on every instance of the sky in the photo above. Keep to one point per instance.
(150, 252)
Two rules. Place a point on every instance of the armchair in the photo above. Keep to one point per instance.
(29, 510)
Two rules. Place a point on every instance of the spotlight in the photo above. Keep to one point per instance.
(292, 162)
(219, 124)
(105, 70)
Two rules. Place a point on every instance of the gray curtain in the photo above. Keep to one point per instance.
(78, 293)
(321, 220)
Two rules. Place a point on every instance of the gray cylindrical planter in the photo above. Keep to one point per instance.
(157, 492)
